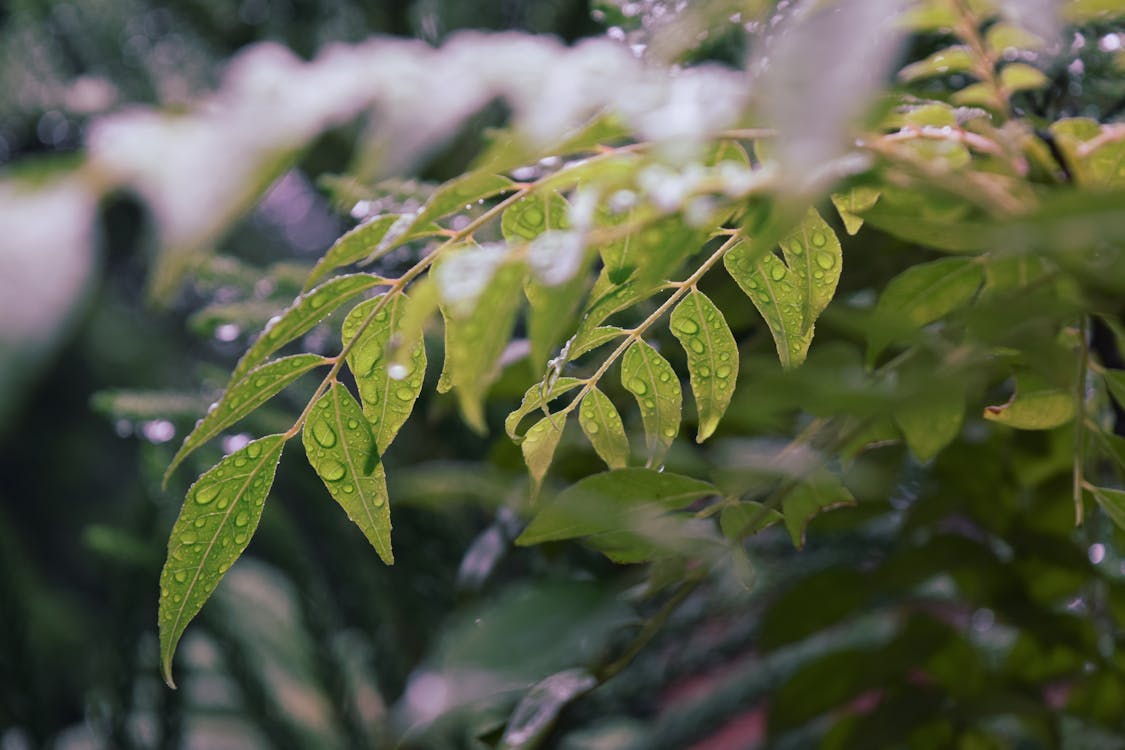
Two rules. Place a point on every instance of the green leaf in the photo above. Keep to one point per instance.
(533, 215)
(1112, 502)
(254, 389)
(539, 445)
(387, 390)
(1002, 37)
(1115, 382)
(218, 518)
(818, 493)
(308, 310)
(1035, 405)
(353, 246)
(920, 295)
(740, 520)
(853, 203)
(777, 294)
(649, 377)
(956, 59)
(813, 255)
(460, 192)
(611, 501)
(477, 332)
(607, 299)
(1022, 77)
(592, 338)
(931, 421)
(602, 426)
(340, 447)
(712, 357)
(537, 397)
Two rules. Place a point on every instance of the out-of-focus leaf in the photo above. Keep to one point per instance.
(820, 492)
(1035, 405)
(1112, 502)
(219, 516)
(955, 59)
(459, 194)
(776, 292)
(136, 405)
(611, 501)
(254, 389)
(537, 397)
(852, 203)
(931, 420)
(920, 295)
(308, 310)
(537, 711)
(740, 520)
(602, 426)
(653, 382)
(340, 446)
(1022, 77)
(387, 390)
(538, 447)
(1002, 37)
(712, 357)
(1115, 382)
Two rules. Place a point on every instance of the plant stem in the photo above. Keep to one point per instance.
(1080, 421)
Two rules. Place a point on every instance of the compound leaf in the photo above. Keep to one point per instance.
(308, 310)
(254, 389)
(216, 522)
(341, 448)
(712, 357)
(649, 377)
(387, 389)
(599, 420)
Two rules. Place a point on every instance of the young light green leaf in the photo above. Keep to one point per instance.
(741, 520)
(649, 377)
(475, 340)
(818, 493)
(853, 203)
(602, 426)
(341, 448)
(611, 501)
(608, 298)
(537, 397)
(386, 390)
(777, 294)
(813, 255)
(712, 357)
(538, 448)
(254, 389)
(218, 518)
(1112, 502)
(308, 310)
(352, 247)
(592, 338)
(1022, 77)
(1035, 405)
(931, 421)
(920, 295)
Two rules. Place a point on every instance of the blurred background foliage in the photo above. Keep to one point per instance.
(954, 606)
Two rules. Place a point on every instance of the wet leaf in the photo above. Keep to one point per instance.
(538, 448)
(606, 299)
(777, 294)
(651, 380)
(256, 388)
(920, 295)
(459, 194)
(340, 447)
(352, 247)
(1035, 405)
(308, 310)
(816, 494)
(537, 711)
(218, 518)
(591, 339)
(602, 426)
(611, 501)
(387, 389)
(537, 397)
(712, 357)
(853, 203)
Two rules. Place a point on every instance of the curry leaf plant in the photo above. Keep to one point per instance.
(629, 264)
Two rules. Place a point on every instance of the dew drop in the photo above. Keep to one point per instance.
(825, 260)
(723, 371)
(704, 371)
(323, 434)
(261, 382)
(318, 300)
(404, 394)
(240, 461)
(381, 316)
(592, 428)
(200, 523)
(818, 239)
(352, 424)
(180, 576)
(636, 385)
(206, 494)
(650, 404)
(378, 501)
(696, 346)
(242, 518)
(332, 471)
(253, 450)
(223, 502)
(239, 538)
(777, 272)
(796, 248)
(669, 432)
(665, 377)
(688, 326)
(348, 489)
(364, 359)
